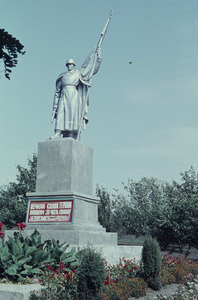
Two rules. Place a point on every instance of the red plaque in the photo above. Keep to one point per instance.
(50, 211)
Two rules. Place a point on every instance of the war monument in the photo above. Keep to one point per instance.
(63, 206)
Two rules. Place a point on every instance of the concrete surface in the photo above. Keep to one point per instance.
(17, 291)
(64, 165)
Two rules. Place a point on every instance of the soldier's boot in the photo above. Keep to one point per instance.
(57, 135)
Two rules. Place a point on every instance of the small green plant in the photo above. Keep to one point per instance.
(151, 260)
(90, 273)
(21, 257)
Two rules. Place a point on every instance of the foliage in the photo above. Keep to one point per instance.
(90, 273)
(176, 269)
(134, 211)
(167, 277)
(122, 281)
(126, 268)
(189, 290)
(104, 208)
(151, 259)
(180, 210)
(194, 268)
(13, 200)
(166, 211)
(21, 257)
(138, 287)
(9, 47)
(179, 273)
(144, 198)
(124, 289)
(59, 283)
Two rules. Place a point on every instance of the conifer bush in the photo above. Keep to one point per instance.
(90, 274)
(151, 260)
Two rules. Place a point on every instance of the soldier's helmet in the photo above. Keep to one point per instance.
(70, 61)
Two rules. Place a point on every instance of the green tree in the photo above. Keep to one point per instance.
(146, 200)
(135, 211)
(166, 211)
(180, 211)
(123, 214)
(13, 200)
(10, 47)
(104, 208)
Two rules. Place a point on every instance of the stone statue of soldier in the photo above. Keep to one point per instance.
(71, 97)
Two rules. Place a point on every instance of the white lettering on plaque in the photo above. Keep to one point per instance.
(54, 212)
(64, 211)
(65, 204)
(37, 212)
(52, 205)
(37, 206)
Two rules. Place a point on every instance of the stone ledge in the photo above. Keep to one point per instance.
(16, 291)
(75, 194)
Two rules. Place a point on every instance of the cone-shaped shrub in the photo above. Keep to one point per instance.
(151, 259)
(91, 273)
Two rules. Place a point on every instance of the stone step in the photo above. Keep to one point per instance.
(16, 291)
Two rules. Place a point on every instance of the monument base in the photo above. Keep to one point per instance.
(63, 207)
(70, 218)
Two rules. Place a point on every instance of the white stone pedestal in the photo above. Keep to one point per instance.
(64, 165)
(65, 171)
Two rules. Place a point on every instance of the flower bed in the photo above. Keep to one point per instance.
(31, 261)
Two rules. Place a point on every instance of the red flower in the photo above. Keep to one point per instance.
(107, 282)
(2, 234)
(21, 226)
(62, 266)
(1, 226)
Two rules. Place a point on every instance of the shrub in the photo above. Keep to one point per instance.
(177, 267)
(194, 267)
(117, 291)
(90, 273)
(126, 268)
(124, 289)
(138, 287)
(167, 277)
(179, 272)
(169, 261)
(151, 259)
(59, 283)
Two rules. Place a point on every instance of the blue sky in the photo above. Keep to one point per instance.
(143, 116)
